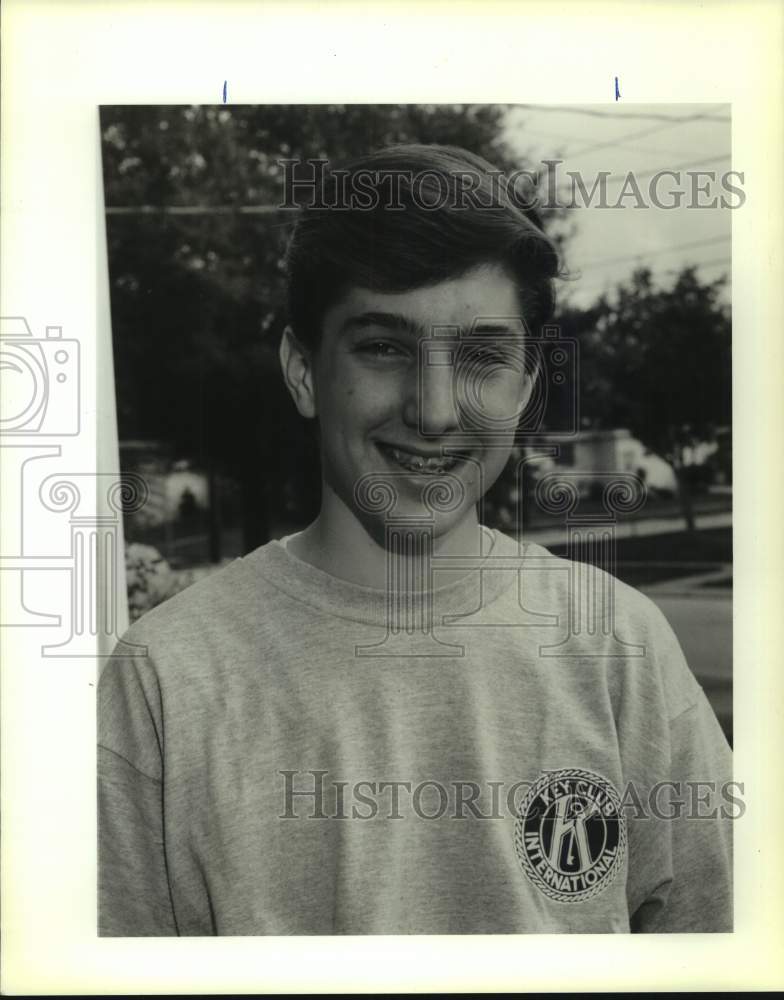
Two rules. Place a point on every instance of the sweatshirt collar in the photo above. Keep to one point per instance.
(305, 583)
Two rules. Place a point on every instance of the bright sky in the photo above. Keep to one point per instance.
(608, 243)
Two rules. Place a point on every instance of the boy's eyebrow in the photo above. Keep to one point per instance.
(388, 321)
(399, 322)
(510, 326)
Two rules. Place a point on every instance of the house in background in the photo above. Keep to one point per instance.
(602, 451)
(188, 519)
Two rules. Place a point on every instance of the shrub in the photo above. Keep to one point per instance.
(150, 580)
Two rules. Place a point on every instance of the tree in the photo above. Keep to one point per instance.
(197, 299)
(658, 361)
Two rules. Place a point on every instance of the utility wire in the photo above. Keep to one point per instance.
(653, 116)
(594, 147)
(638, 174)
(636, 265)
(602, 283)
(659, 151)
(657, 253)
(194, 209)
(274, 209)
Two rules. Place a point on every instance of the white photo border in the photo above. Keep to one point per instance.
(62, 60)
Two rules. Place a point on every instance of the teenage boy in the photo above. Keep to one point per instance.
(391, 722)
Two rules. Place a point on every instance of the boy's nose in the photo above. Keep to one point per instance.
(432, 406)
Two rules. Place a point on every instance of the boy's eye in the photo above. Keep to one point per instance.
(488, 355)
(381, 349)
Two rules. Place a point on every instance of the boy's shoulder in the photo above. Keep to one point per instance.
(604, 618)
(561, 579)
(226, 596)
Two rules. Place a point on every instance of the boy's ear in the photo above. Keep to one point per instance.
(297, 365)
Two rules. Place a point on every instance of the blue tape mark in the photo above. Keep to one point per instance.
(224, 88)
(617, 91)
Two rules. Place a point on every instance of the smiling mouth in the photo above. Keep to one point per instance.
(411, 461)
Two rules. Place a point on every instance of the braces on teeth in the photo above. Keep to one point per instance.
(417, 463)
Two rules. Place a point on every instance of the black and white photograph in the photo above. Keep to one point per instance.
(390, 555)
(431, 584)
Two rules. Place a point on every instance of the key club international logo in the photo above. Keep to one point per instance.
(570, 835)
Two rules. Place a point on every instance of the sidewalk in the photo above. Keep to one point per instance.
(716, 583)
(697, 605)
(631, 528)
(702, 621)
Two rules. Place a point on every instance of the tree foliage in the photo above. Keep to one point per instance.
(658, 361)
(198, 299)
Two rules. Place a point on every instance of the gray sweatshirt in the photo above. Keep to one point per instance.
(288, 753)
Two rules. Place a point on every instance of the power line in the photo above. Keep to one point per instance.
(638, 174)
(595, 285)
(716, 158)
(653, 116)
(659, 151)
(657, 253)
(194, 209)
(713, 261)
(275, 209)
(523, 130)
(594, 147)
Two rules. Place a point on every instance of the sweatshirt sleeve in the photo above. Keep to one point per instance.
(134, 899)
(695, 894)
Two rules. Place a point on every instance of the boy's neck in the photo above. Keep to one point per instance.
(337, 543)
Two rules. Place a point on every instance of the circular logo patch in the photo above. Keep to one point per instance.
(570, 834)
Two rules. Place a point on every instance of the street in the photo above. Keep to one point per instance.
(703, 625)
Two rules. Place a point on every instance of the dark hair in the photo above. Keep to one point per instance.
(430, 230)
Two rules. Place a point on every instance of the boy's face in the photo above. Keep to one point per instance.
(382, 411)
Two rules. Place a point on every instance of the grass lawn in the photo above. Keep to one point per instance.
(650, 558)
